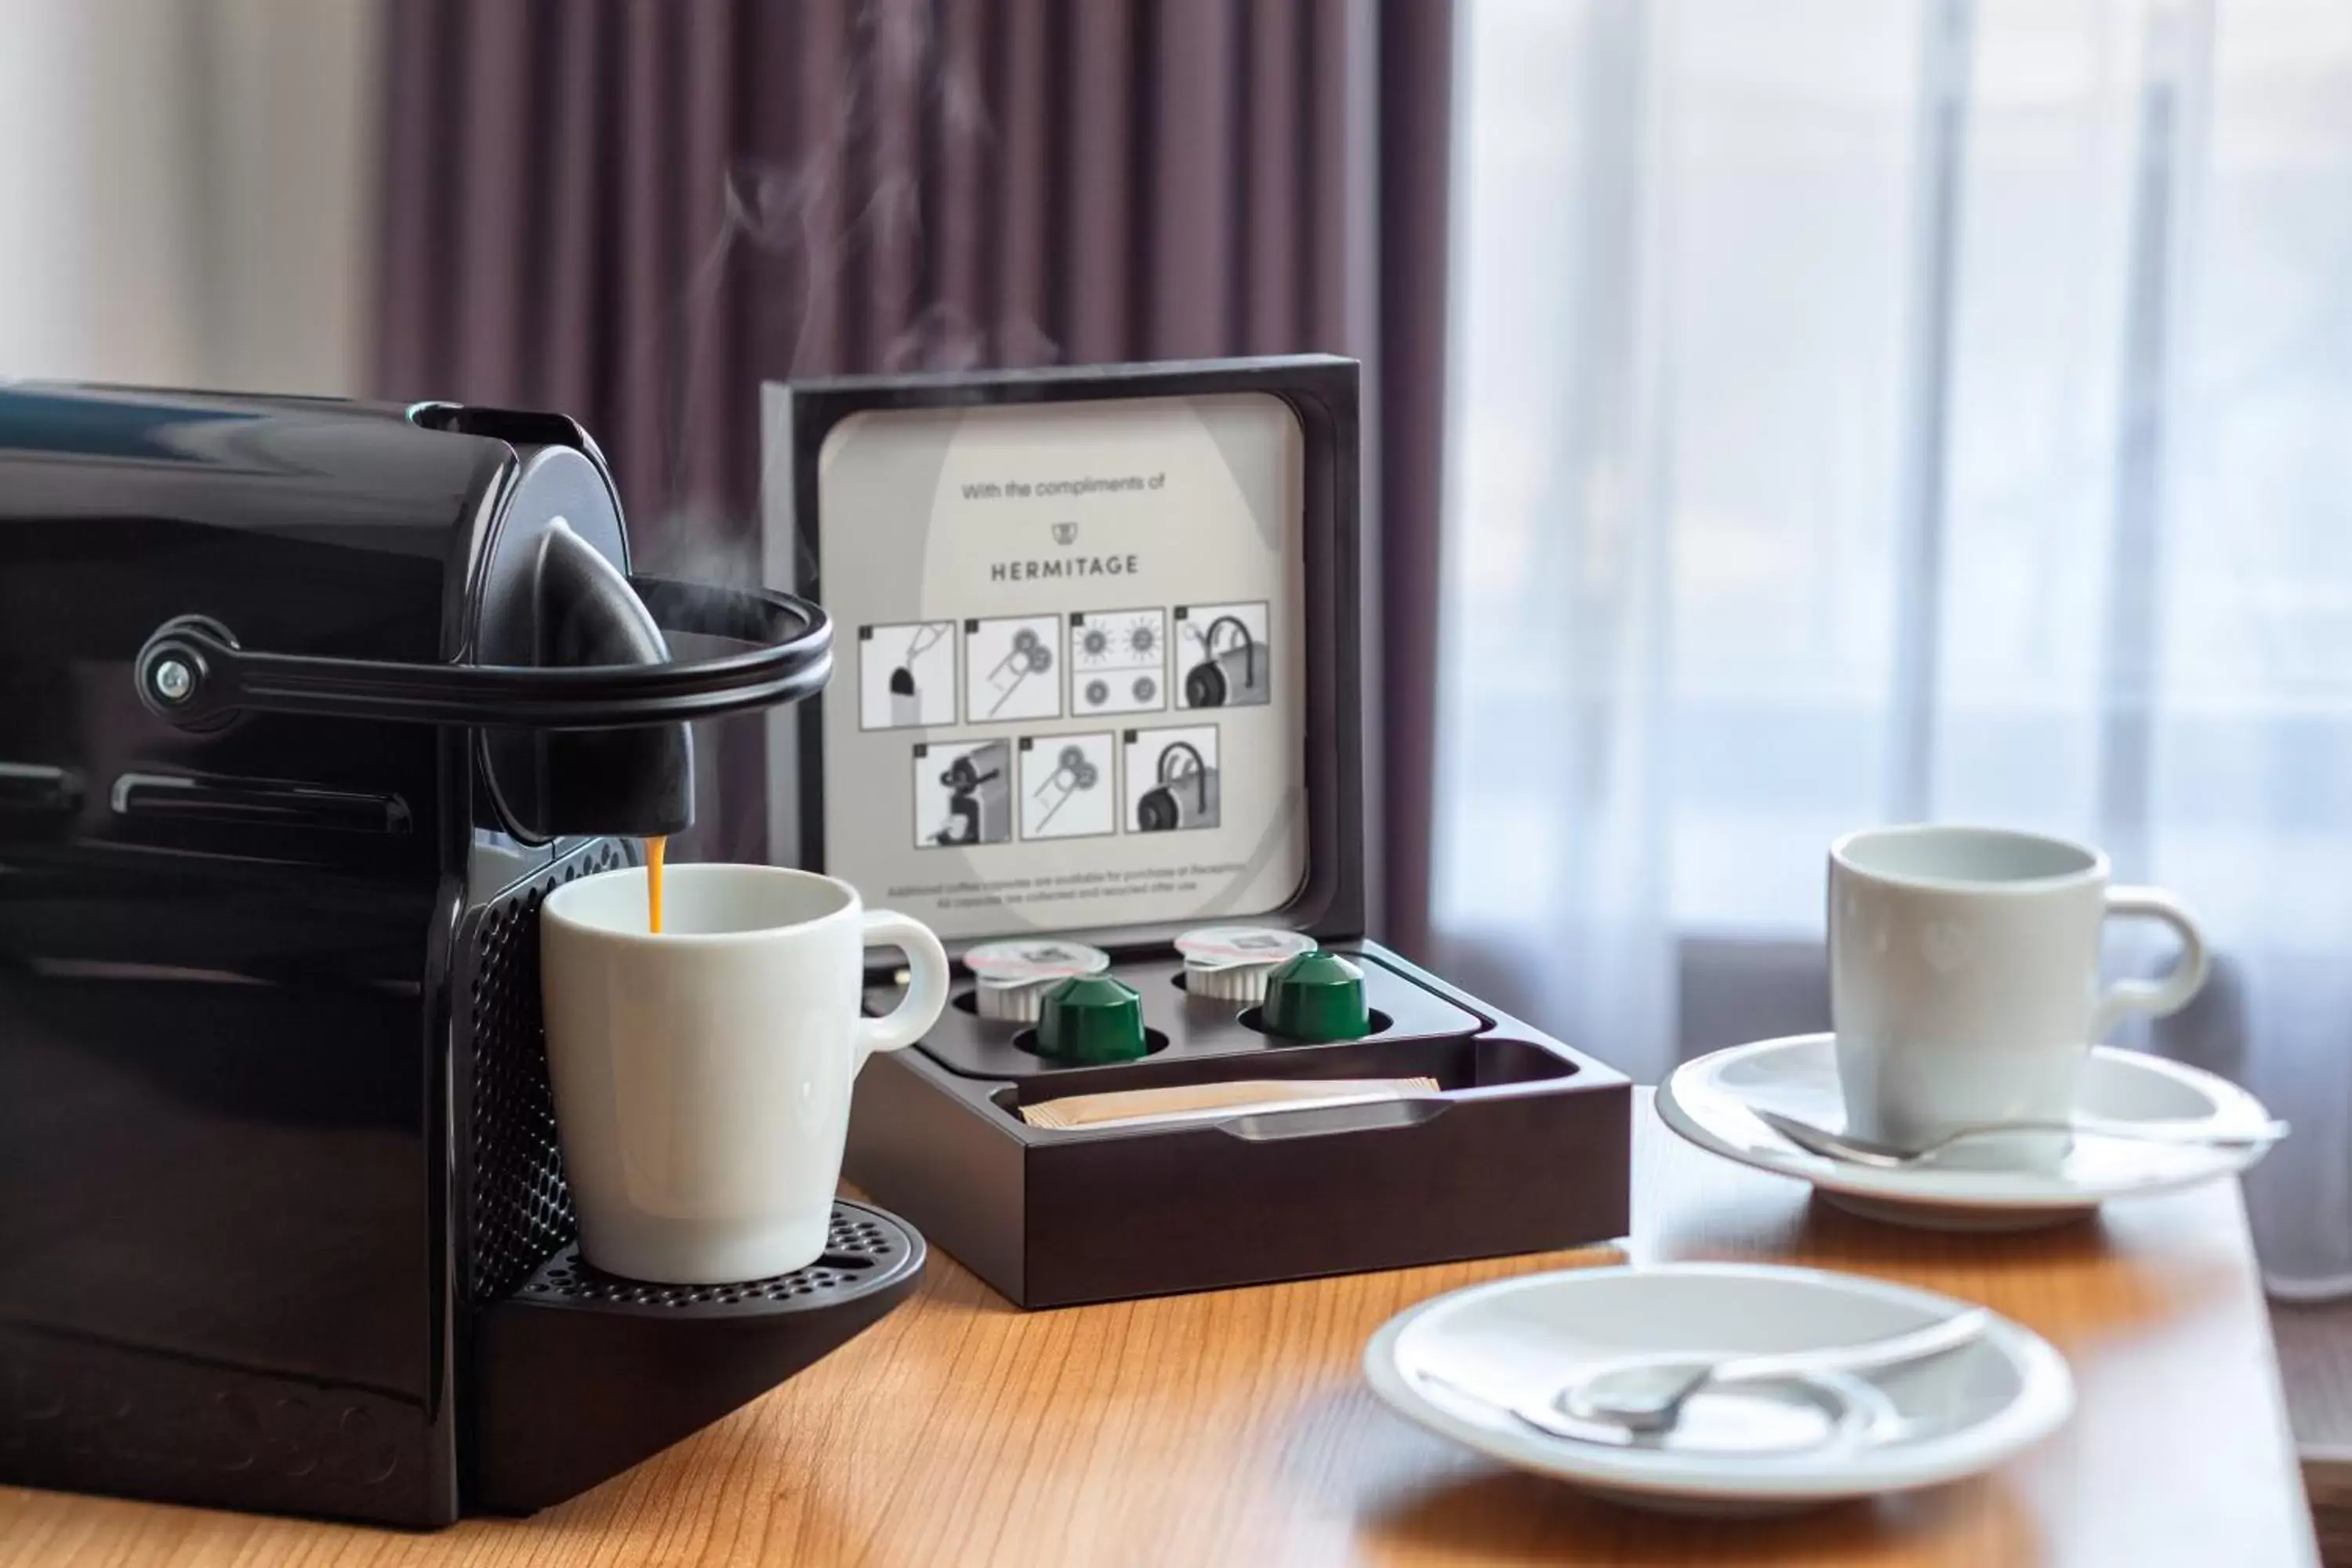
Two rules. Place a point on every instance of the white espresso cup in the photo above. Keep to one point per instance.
(1964, 975)
(702, 1074)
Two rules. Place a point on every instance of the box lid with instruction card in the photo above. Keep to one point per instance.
(1105, 625)
(1099, 626)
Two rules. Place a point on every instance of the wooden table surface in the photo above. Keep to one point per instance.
(1233, 1427)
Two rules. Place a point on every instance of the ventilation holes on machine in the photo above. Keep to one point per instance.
(517, 1208)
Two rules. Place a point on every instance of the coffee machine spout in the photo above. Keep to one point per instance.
(637, 781)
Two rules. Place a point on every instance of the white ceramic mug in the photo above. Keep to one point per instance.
(1964, 975)
(702, 1074)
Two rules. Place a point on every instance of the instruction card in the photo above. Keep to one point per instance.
(1067, 691)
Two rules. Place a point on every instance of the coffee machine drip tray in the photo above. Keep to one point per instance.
(864, 1249)
(580, 1373)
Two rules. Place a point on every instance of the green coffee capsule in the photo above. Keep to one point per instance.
(1315, 998)
(1091, 1018)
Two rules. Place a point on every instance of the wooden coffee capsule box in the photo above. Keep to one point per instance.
(1031, 574)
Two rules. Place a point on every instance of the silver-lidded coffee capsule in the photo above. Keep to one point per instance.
(1010, 977)
(1230, 963)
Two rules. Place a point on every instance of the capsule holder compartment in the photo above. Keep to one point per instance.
(1526, 1148)
(1198, 1031)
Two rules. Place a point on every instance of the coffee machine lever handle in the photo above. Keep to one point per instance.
(192, 671)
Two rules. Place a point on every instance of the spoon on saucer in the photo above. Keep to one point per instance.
(1858, 1151)
(1648, 1395)
(1634, 1398)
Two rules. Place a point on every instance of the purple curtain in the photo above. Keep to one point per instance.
(637, 210)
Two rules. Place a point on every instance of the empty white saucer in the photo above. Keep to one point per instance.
(1457, 1363)
(1712, 1102)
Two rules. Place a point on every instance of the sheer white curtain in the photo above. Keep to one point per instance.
(1868, 412)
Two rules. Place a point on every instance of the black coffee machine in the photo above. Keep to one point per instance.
(304, 706)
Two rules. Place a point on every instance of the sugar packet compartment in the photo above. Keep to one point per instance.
(1231, 964)
(1219, 1101)
(1011, 978)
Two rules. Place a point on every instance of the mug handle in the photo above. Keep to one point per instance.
(926, 983)
(2154, 997)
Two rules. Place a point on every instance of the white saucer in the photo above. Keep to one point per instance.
(1441, 1363)
(1709, 1103)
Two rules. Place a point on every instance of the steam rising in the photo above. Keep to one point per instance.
(782, 212)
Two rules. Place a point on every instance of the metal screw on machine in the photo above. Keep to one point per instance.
(174, 680)
(176, 676)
